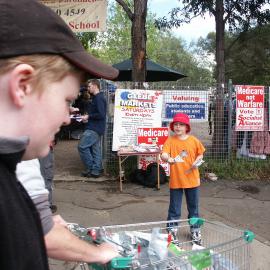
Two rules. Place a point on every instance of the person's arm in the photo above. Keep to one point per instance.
(61, 244)
(166, 158)
(199, 157)
(200, 152)
(100, 113)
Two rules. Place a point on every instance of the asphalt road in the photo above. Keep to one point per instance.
(96, 202)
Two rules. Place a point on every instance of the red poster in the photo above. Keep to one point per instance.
(249, 108)
(152, 135)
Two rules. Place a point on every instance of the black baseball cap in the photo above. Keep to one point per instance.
(29, 27)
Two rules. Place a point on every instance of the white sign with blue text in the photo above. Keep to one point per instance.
(192, 103)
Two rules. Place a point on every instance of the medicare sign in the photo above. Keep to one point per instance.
(249, 108)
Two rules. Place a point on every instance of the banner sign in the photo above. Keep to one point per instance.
(81, 15)
(192, 103)
(249, 108)
(133, 109)
(152, 136)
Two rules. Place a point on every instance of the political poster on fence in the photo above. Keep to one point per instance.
(193, 103)
(156, 136)
(133, 109)
(249, 108)
(81, 16)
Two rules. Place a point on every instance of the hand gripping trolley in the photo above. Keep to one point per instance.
(168, 246)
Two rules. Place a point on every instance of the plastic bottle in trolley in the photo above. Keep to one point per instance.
(157, 249)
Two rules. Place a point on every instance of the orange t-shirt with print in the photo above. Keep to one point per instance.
(190, 148)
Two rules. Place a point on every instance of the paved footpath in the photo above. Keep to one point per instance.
(95, 202)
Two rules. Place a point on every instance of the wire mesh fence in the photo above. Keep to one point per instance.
(212, 110)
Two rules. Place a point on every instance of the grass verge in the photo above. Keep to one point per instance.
(237, 169)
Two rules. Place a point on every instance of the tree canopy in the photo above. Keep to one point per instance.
(247, 55)
(162, 46)
(249, 60)
(240, 16)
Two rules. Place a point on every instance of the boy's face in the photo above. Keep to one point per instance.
(47, 111)
(179, 128)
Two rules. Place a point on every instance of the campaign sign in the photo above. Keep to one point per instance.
(193, 110)
(152, 135)
(249, 108)
(193, 103)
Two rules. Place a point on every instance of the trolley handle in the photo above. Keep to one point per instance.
(248, 236)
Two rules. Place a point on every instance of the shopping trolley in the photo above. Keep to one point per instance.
(162, 245)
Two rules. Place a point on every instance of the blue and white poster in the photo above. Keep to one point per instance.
(192, 103)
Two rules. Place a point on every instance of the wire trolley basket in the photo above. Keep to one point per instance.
(169, 246)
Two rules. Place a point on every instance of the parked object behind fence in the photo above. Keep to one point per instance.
(148, 177)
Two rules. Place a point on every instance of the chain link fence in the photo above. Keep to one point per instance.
(212, 112)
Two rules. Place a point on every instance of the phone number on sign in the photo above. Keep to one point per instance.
(70, 11)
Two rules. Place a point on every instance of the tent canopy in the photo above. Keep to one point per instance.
(154, 72)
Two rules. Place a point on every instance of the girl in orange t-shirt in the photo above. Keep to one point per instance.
(183, 152)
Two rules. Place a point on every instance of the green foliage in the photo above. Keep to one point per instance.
(249, 60)
(87, 39)
(171, 51)
(114, 46)
(237, 169)
(240, 14)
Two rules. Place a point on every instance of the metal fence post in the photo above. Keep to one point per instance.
(230, 89)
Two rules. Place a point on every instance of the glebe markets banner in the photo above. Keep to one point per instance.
(249, 108)
(81, 15)
(133, 109)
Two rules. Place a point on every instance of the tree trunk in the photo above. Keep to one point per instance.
(138, 35)
(218, 143)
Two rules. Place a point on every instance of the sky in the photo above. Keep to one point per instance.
(199, 27)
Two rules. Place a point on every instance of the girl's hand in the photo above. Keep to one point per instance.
(171, 160)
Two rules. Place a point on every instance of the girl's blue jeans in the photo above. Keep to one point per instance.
(192, 200)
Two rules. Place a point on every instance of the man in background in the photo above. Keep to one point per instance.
(90, 143)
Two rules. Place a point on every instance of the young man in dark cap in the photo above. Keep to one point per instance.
(41, 65)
